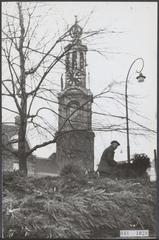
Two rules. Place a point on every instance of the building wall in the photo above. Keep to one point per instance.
(81, 119)
(7, 162)
(76, 147)
(31, 166)
(46, 167)
(11, 163)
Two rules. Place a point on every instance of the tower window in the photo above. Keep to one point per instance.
(74, 60)
(72, 106)
(82, 63)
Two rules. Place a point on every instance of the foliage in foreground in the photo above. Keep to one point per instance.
(137, 168)
(62, 207)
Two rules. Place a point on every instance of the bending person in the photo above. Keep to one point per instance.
(107, 159)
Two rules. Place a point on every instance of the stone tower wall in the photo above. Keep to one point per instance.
(76, 147)
(75, 139)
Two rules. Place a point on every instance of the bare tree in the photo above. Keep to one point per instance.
(29, 62)
(17, 50)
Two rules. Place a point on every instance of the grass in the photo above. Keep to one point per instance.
(72, 206)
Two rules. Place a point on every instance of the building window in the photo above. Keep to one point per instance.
(15, 166)
(71, 110)
(14, 142)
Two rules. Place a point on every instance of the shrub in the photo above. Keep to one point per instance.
(140, 163)
(73, 178)
(72, 169)
(137, 167)
(10, 176)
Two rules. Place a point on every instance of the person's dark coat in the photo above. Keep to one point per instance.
(107, 160)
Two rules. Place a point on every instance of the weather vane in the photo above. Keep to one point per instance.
(76, 20)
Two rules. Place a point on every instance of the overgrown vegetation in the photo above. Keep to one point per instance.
(67, 207)
(136, 168)
(140, 163)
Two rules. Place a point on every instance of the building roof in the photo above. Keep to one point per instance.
(52, 156)
(9, 130)
(46, 165)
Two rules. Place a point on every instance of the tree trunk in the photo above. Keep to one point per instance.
(22, 147)
(23, 97)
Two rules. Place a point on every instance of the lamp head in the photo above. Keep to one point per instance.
(141, 77)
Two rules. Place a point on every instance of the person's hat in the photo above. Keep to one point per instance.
(114, 141)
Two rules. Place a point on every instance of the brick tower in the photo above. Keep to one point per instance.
(75, 138)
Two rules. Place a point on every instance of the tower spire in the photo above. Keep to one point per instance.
(76, 58)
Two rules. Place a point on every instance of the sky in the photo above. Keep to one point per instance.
(135, 35)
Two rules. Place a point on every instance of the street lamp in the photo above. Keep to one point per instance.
(140, 78)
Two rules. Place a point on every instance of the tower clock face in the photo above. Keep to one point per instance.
(75, 77)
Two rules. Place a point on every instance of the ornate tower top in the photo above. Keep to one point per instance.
(76, 31)
(75, 60)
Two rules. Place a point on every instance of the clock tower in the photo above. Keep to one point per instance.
(75, 138)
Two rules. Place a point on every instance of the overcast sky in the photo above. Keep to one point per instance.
(135, 24)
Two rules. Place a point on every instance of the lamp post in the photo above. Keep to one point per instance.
(140, 78)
